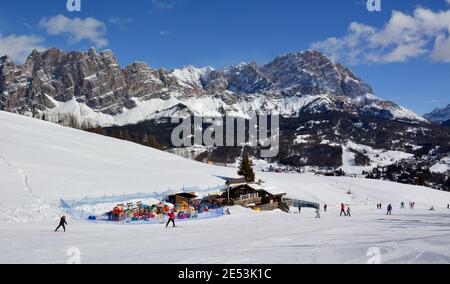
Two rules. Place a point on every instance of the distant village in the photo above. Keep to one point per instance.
(413, 171)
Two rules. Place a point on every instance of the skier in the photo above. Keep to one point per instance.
(171, 219)
(389, 210)
(448, 206)
(317, 213)
(62, 223)
(349, 212)
(228, 211)
(325, 207)
(299, 209)
(402, 205)
(343, 209)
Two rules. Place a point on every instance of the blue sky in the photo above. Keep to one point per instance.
(405, 56)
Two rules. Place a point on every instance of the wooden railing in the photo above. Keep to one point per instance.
(245, 202)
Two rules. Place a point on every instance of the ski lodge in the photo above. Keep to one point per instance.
(252, 195)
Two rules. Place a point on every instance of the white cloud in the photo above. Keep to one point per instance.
(19, 47)
(441, 51)
(122, 23)
(167, 5)
(164, 5)
(403, 37)
(77, 29)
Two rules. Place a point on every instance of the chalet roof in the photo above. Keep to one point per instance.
(185, 194)
(236, 181)
(255, 186)
(258, 187)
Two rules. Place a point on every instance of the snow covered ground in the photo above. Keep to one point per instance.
(41, 162)
(377, 157)
(442, 167)
(243, 237)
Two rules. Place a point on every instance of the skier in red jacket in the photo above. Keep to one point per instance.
(171, 218)
(343, 209)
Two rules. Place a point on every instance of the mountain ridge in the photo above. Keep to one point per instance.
(53, 80)
(439, 115)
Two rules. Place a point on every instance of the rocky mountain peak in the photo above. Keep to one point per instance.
(96, 80)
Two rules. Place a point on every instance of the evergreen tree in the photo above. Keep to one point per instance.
(153, 142)
(246, 169)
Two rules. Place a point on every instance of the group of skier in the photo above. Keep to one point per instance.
(345, 211)
(172, 216)
(390, 207)
(412, 206)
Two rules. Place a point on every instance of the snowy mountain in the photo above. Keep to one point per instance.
(93, 87)
(323, 103)
(439, 115)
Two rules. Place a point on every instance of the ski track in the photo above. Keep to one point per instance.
(21, 172)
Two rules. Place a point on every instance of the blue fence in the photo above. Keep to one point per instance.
(122, 198)
(302, 203)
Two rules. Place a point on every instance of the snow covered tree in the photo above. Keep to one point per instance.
(246, 169)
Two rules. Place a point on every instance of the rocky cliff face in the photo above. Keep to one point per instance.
(291, 84)
(93, 79)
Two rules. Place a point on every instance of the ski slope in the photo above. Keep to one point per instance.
(41, 162)
(243, 237)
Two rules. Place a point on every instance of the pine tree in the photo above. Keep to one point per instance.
(153, 142)
(246, 169)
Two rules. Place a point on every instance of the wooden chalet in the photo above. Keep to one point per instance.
(252, 195)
